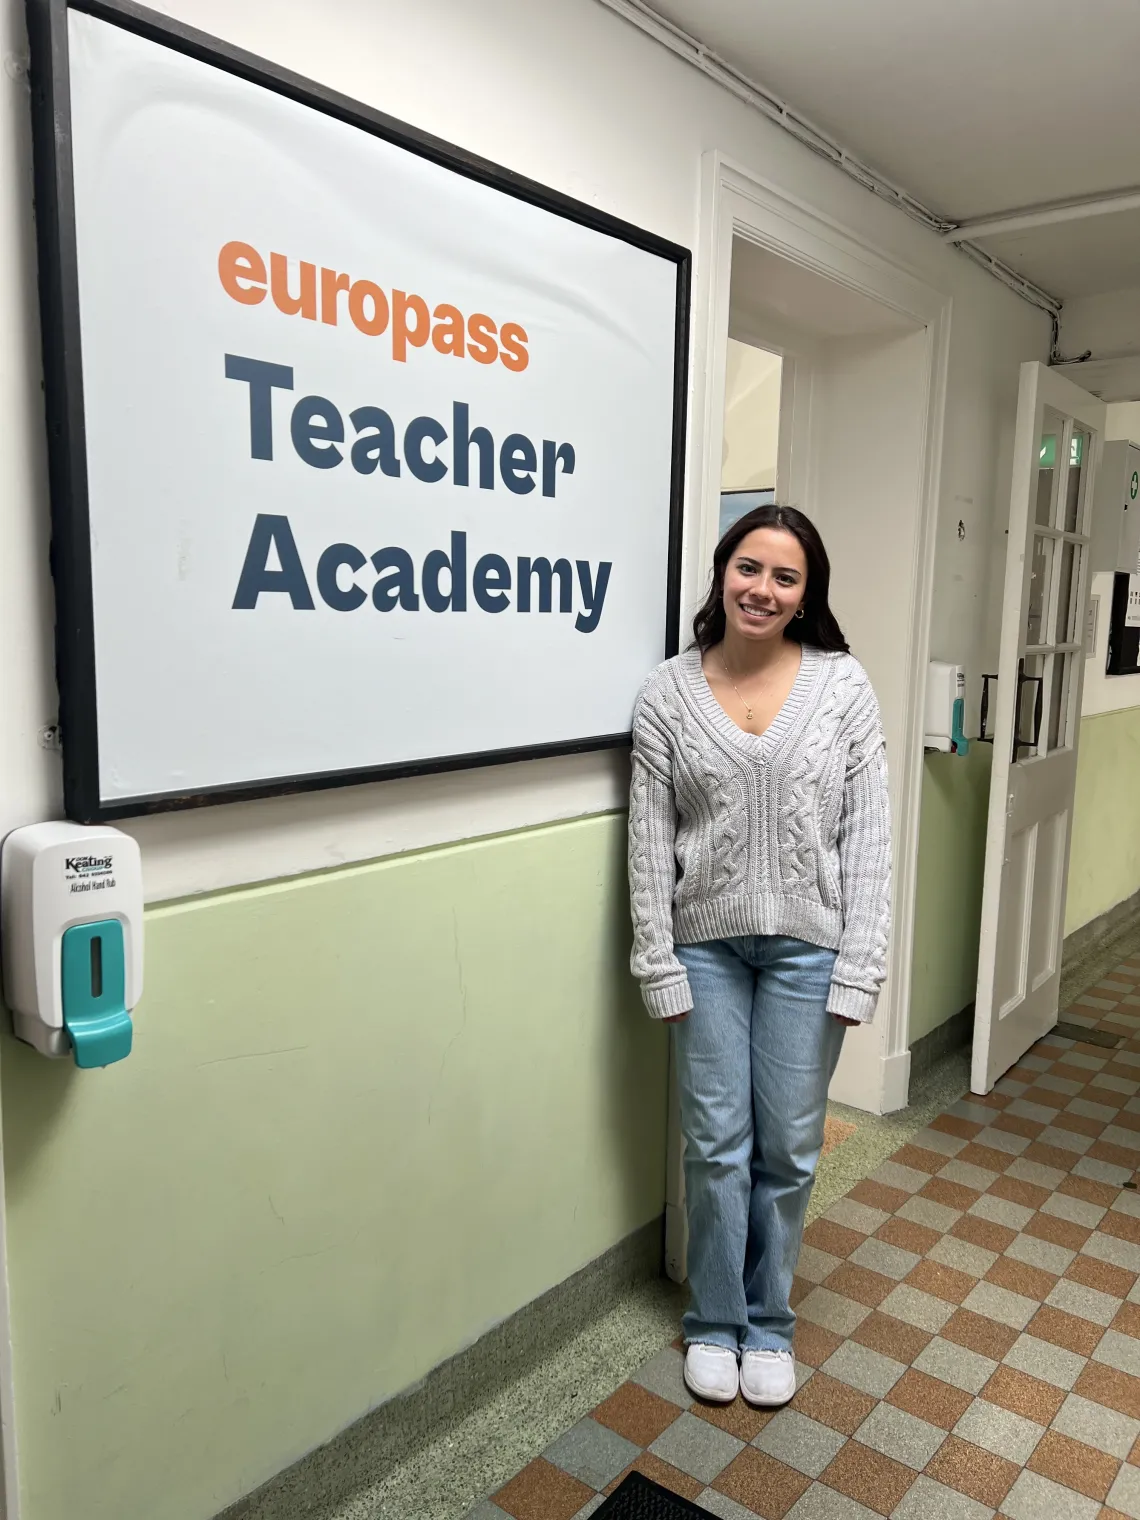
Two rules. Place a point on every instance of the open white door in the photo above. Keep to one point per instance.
(1037, 719)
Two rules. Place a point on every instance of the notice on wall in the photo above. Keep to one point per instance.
(380, 456)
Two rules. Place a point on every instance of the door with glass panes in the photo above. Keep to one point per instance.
(1036, 726)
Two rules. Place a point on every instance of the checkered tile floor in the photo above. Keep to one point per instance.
(969, 1328)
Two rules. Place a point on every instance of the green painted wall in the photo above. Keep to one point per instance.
(1104, 860)
(948, 899)
(369, 1114)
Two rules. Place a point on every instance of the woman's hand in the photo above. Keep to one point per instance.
(678, 1018)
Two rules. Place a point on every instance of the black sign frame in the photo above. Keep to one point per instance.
(63, 386)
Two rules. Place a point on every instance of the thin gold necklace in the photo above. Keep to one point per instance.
(747, 706)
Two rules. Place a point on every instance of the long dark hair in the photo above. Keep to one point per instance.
(818, 625)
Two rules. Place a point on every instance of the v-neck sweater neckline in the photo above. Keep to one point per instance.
(784, 721)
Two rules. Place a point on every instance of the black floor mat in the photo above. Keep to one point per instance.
(639, 1499)
(1086, 1036)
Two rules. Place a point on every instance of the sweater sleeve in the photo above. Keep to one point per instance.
(653, 872)
(865, 866)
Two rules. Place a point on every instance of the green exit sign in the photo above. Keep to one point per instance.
(1047, 457)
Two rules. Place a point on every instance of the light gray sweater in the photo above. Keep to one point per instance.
(787, 832)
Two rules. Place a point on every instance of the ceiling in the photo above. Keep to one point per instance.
(1085, 258)
(976, 107)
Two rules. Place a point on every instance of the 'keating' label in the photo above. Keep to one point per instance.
(89, 873)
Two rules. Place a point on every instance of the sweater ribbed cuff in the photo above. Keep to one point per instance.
(851, 1002)
(668, 1002)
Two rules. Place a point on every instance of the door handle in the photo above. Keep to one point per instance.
(983, 736)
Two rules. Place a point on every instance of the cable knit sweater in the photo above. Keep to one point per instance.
(786, 832)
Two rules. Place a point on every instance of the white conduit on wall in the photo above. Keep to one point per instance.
(696, 53)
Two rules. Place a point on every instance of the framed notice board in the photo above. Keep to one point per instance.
(366, 454)
(1124, 626)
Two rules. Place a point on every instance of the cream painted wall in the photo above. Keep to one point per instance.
(1123, 420)
(862, 497)
(751, 418)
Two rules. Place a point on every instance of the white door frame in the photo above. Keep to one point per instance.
(737, 203)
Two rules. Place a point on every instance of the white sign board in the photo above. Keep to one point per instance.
(382, 447)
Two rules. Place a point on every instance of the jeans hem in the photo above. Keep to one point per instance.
(727, 1340)
(766, 1343)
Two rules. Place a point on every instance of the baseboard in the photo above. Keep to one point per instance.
(897, 1071)
(955, 1034)
(1098, 947)
(321, 1483)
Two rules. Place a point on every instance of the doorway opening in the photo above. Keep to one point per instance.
(825, 393)
(752, 381)
(863, 350)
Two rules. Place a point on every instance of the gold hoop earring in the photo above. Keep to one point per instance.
(800, 612)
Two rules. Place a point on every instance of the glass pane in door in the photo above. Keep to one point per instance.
(1065, 626)
(1059, 701)
(1047, 474)
(1038, 590)
(1078, 452)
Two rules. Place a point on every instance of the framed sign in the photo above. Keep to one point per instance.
(366, 455)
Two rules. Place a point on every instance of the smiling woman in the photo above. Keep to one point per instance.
(759, 879)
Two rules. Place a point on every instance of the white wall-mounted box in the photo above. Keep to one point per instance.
(1115, 541)
(71, 938)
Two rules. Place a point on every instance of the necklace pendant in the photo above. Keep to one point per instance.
(750, 715)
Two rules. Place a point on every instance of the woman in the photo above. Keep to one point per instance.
(759, 879)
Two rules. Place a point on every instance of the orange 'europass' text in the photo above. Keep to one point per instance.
(327, 295)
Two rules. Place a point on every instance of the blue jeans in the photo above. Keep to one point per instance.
(754, 1061)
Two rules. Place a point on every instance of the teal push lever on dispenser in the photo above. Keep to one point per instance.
(71, 932)
(94, 992)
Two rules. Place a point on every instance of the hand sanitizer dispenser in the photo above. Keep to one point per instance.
(946, 709)
(71, 930)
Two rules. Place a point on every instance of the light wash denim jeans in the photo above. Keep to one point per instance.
(754, 1060)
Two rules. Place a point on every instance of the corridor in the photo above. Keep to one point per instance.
(969, 1327)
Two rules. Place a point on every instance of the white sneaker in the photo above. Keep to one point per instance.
(767, 1378)
(712, 1373)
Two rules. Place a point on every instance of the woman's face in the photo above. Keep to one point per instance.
(764, 584)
